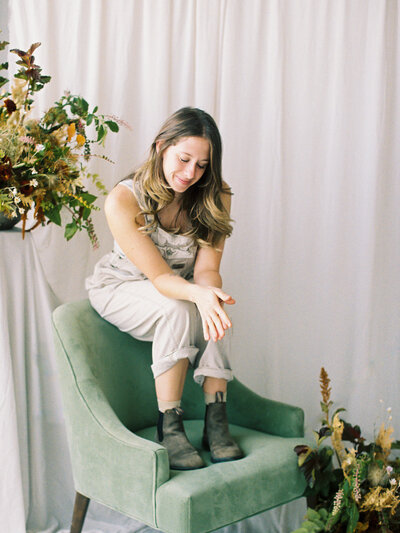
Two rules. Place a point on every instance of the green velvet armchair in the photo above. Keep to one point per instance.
(111, 411)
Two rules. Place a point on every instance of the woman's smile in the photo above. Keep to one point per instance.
(183, 180)
(184, 163)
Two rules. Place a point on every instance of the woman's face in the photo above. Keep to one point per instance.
(185, 162)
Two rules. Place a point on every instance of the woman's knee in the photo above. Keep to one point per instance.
(181, 310)
(182, 319)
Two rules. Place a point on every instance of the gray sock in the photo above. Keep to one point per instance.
(212, 398)
(164, 405)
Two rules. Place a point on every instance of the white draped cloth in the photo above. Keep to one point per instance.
(307, 98)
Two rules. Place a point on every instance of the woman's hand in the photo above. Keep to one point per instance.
(209, 301)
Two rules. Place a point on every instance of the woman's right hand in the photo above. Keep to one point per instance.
(209, 301)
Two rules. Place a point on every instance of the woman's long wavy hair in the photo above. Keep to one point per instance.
(209, 220)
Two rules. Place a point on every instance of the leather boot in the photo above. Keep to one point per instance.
(216, 436)
(171, 434)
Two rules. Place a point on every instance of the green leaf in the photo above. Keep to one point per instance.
(323, 513)
(89, 198)
(312, 514)
(321, 440)
(3, 81)
(89, 120)
(353, 518)
(70, 230)
(101, 132)
(44, 79)
(112, 125)
(3, 66)
(86, 213)
(303, 457)
(85, 105)
(325, 407)
(3, 44)
(316, 436)
(311, 527)
(21, 75)
(315, 518)
(341, 409)
(54, 215)
(346, 489)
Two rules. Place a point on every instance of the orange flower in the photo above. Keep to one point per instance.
(71, 131)
(80, 139)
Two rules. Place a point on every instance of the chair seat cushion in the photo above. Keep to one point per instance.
(198, 501)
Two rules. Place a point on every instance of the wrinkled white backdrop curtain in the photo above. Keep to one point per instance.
(306, 94)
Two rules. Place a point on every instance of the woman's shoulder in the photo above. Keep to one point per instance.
(127, 182)
(133, 185)
(122, 196)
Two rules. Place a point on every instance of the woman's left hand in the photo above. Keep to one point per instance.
(209, 301)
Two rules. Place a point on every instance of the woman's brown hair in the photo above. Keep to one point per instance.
(202, 202)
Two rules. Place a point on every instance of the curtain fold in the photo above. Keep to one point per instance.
(306, 95)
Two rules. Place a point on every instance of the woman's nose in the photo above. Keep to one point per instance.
(190, 170)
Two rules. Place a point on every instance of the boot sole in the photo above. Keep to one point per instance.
(187, 468)
(206, 446)
(226, 459)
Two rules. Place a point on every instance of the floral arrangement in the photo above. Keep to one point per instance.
(42, 161)
(362, 493)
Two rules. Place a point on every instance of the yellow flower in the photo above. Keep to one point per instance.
(80, 139)
(379, 499)
(384, 440)
(71, 131)
(349, 460)
(18, 91)
(324, 384)
(362, 527)
(336, 437)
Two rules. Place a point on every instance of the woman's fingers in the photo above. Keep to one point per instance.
(212, 329)
(226, 298)
(224, 318)
(219, 325)
(206, 331)
(210, 302)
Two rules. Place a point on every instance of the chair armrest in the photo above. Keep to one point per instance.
(111, 464)
(119, 437)
(249, 409)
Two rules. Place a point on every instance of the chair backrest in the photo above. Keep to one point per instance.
(119, 364)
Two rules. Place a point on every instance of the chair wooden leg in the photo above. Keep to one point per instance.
(80, 508)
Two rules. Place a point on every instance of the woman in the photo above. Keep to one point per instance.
(161, 282)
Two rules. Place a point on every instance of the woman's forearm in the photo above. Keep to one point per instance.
(208, 278)
(173, 286)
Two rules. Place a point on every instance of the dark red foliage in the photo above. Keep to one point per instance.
(10, 106)
(5, 169)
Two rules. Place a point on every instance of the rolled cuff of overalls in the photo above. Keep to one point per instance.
(168, 361)
(200, 374)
